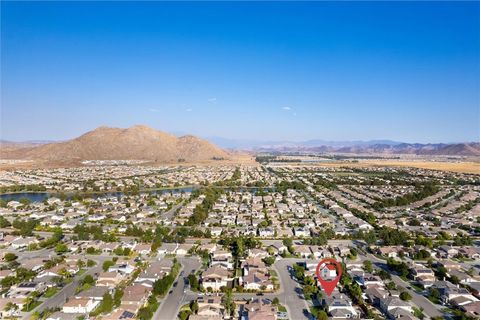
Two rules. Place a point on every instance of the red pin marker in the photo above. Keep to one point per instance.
(328, 273)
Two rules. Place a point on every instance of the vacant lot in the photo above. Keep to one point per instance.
(464, 167)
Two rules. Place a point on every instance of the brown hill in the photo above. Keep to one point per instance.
(134, 143)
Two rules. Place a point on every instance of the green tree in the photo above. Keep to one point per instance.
(61, 248)
(193, 281)
(367, 265)
(434, 294)
(88, 279)
(91, 250)
(269, 260)
(194, 306)
(107, 303)
(227, 302)
(117, 297)
(184, 314)
(7, 282)
(391, 285)
(10, 306)
(322, 315)
(299, 272)
(4, 223)
(287, 242)
(107, 264)
(9, 257)
(145, 313)
(405, 296)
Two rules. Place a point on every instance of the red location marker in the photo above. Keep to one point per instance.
(328, 273)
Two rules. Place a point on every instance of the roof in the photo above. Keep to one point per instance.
(93, 292)
(75, 302)
(215, 271)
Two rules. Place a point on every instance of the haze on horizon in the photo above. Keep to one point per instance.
(405, 71)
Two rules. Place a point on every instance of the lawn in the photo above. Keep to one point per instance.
(82, 271)
(32, 306)
(50, 292)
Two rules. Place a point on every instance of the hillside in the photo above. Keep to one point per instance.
(134, 143)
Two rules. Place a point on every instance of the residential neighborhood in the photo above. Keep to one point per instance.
(238, 242)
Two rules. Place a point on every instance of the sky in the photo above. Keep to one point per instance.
(406, 71)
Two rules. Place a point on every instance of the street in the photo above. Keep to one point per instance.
(171, 304)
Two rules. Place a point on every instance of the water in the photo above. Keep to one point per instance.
(32, 196)
(41, 196)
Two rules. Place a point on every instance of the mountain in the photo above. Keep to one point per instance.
(23, 144)
(10, 146)
(278, 144)
(455, 149)
(361, 147)
(134, 143)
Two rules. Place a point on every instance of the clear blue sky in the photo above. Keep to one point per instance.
(338, 71)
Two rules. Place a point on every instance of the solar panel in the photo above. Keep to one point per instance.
(127, 315)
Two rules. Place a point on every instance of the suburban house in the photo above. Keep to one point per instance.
(257, 281)
(446, 252)
(215, 277)
(109, 279)
(222, 258)
(339, 306)
(395, 308)
(80, 305)
(155, 271)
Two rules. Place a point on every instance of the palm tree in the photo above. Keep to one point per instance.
(28, 302)
(64, 273)
(12, 307)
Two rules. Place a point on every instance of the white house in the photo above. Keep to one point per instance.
(80, 305)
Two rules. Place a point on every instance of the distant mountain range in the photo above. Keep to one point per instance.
(256, 144)
(104, 143)
(457, 149)
(360, 147)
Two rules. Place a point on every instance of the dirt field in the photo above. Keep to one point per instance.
(463, 167)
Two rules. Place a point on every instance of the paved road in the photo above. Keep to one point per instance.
(68, 291)
(28, 255)
(170, 213)
(291, 294)
(170, 306)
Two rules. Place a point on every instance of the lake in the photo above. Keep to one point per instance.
(41, 196)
